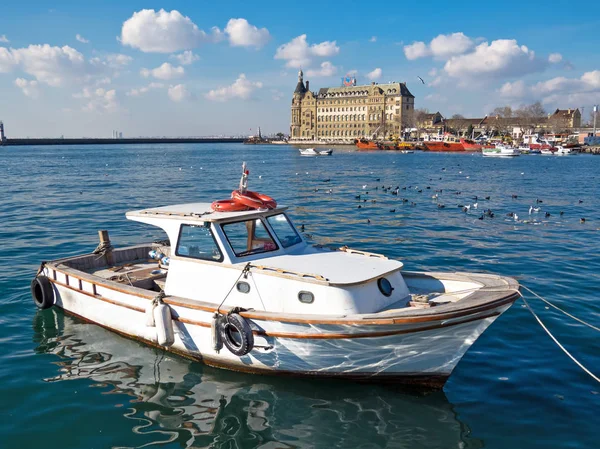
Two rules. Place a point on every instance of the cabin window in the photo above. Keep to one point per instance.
(198, 242)
(249, 237)
(284, 231)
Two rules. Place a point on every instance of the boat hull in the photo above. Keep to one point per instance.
(444, 146)
(407, 351)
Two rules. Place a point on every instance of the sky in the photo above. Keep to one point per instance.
(175, 68)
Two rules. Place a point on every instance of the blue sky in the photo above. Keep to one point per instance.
(212, 68)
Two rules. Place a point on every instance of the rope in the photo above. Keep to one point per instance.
(258, 292)
(561, 310)
(587, 371)
(41, 268)
(103, 248)
(243, 273)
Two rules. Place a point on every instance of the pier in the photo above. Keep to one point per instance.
(124, 141)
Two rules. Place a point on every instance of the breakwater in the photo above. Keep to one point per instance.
(126, 141)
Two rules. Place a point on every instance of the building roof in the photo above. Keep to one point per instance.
(300, 88)
(567, 113)
(391, 89)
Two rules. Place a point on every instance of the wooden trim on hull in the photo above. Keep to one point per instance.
(511, 297)
(426, 381)
(295, 335)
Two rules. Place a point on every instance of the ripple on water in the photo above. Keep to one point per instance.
(513, 386)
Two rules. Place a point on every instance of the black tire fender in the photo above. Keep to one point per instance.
(42, 292)
(243, 342)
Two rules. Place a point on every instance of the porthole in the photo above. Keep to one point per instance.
(243, 287)
(385, 287)
(306, 297)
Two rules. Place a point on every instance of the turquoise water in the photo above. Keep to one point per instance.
(68, 384)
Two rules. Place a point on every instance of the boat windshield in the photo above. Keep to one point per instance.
(285, 232)
(249, 237)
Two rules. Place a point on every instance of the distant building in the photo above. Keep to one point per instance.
(350, 112)
(565, 118)
(2, 136)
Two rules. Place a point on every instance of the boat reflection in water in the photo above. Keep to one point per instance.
(188, 404)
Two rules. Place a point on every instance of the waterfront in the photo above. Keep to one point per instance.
(514, 388)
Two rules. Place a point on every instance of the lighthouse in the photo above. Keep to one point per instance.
(2, 136)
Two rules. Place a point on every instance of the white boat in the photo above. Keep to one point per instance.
(547, 151)
(313, 152)
(500, 150)
(243, 290)
(563, 151)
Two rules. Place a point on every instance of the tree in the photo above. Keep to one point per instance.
(470, 130)
(418, 119)
(502, 112)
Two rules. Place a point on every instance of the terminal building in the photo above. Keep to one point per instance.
(350, 112)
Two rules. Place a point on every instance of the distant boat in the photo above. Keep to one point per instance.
(313, 152)
(364, 144)
(470, 145)
(501, 151)
(563, 151)
(447, 143)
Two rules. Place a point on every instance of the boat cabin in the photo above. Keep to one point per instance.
(258, 260)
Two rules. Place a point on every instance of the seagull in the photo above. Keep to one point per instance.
(516, 217)
(582, 220)
(364, 187)
(421, 79)
(474, 205)
(467, 207)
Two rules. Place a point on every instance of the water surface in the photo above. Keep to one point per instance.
(69, 384)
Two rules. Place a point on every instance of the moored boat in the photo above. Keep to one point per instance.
(447, 143)
(565, 151)
(241, 289)
(364, 144)
(470, 145)
(500, 150)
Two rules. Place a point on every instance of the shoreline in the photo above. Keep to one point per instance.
(111, 141)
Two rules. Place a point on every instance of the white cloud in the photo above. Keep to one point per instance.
(186, 58)
(99, 100)
(178, 93)
(28, 87)
(555, 58)
(163, 32)
(81, 39)
(327, 69)
(164, 72)
(49, 65)
(500, 58)
(433, 72)
(375, 74)
(298, 53)
(568, 92)
(277, 94)
(113, 61)
(373, 39)
(137, 92)
(443, 46)
(242, 34)
(513, 90)
(4, 39)
(241, 88)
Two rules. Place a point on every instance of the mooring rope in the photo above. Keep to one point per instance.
(244, 272)
(561, 310)
(577, 362)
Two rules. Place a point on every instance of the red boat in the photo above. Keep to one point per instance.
(449, 143)
(364, 144)
(470, 145)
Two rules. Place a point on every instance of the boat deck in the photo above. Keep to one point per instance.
(143, 274)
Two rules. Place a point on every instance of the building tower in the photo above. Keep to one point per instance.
(2, 136)
(297, 106)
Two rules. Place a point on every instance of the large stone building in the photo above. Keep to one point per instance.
(350, 112)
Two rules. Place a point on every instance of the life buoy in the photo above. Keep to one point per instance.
(42, 292)
(254, 200)
(236, 335)
(228, 206)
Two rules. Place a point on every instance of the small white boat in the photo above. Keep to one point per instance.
(313, 152)
(547, 151)
(406, 151)
(501, 150)
(563, 151)
(236, 286)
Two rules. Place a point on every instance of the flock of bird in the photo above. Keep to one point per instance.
(483, 213)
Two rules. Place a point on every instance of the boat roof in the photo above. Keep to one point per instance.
(198, 211)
